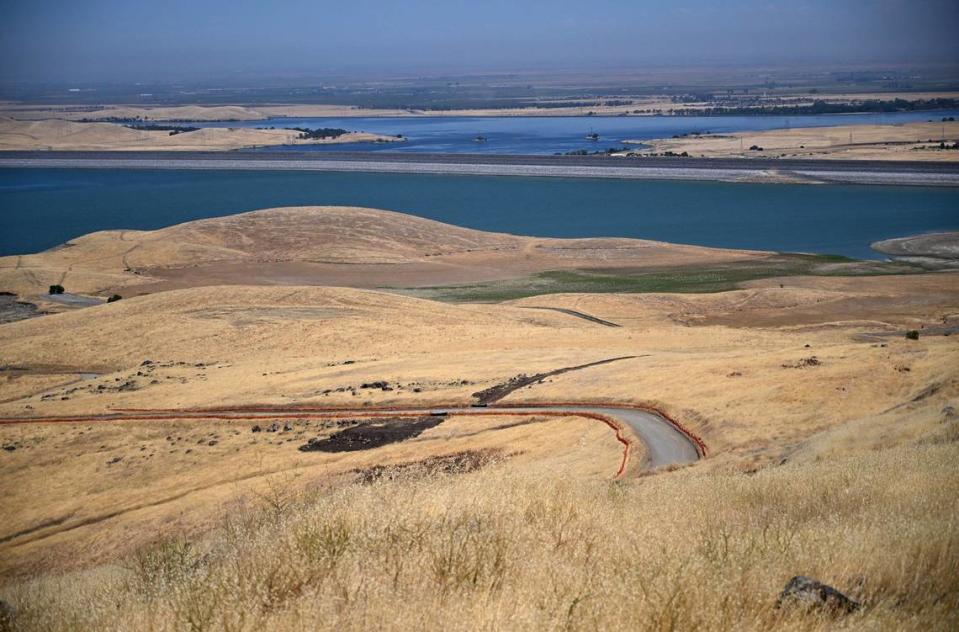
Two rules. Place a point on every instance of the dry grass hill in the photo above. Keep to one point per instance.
(832, 437)
(321, 246)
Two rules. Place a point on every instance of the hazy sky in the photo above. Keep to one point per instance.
(124, 40)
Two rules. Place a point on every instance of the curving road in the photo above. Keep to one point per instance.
(665, 441)
(665, 444)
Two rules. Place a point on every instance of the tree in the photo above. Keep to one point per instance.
(56, 289)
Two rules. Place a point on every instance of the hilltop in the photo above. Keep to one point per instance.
(342, 246)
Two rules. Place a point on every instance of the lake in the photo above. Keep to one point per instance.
(41, 208)
(549, 135)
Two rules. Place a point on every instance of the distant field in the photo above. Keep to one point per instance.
(681, 279)
(499, 91)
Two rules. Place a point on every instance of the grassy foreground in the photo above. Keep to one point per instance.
(683, 550)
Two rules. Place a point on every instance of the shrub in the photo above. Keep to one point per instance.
(56, 289)
(322, 132)
(912, 334)
(163, 564)
(114, 298)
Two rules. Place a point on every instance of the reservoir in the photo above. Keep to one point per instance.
(532, 135)
(42, 208)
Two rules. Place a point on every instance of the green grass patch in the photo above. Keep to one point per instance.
(675, 279)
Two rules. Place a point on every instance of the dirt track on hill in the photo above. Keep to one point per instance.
(666, 441)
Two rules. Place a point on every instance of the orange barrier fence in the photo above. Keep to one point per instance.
(689, 434)
(308, 413)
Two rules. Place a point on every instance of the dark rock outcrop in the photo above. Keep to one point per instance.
(7, 614)
(805, 591)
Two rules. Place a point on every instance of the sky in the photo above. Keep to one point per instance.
(197, 40)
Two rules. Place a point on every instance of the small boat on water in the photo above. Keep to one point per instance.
(480, 139)
(592, 135)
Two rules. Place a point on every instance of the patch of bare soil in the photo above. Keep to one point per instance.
(370, 434)
(456, 463)
(12, 310)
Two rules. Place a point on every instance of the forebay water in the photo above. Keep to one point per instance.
(42, 208)
(553, 134)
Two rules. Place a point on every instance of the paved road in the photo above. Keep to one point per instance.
(665, 444)
(729, 169)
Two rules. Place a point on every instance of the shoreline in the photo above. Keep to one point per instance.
(933, 251)
(754, 170)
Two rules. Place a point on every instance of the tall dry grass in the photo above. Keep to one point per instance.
(686, 550)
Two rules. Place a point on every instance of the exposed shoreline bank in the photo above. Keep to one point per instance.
(725, 170)
(934, 251)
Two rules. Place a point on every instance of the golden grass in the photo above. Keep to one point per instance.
(321, 245)
(58, 135)
(842, 469)
(81, 494)
(907, 141)
(492, 550)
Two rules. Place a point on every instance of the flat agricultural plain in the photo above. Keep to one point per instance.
(600, 102)
(932, 141)
(174, 459)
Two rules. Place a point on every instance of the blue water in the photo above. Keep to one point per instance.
(549, 135)
(41, 208)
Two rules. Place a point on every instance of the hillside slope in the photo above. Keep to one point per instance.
(324, 245)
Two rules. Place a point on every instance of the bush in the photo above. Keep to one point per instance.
(322, 132)
(114, 298)
(163, 564)
(56, 289)
(912, 334)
